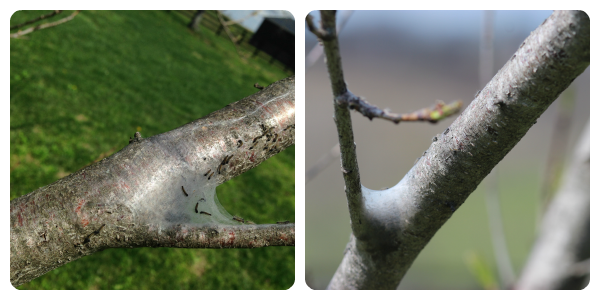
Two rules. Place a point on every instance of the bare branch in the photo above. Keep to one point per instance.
(397, 223)
(231, 37)
(564, 240)
(233, 22)
(434, 114)
(147, 194)
(44, 26)
(317, 50)
(36, 19)
(322, 163)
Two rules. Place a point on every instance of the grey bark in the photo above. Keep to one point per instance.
(144, 195)
(564, 239)
(397, 223)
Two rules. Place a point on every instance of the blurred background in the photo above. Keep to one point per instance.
(405, 60)
(79, 90)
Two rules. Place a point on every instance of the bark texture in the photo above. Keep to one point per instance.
(145, 194)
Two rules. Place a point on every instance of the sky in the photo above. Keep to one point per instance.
(252, 23)
(440, 24)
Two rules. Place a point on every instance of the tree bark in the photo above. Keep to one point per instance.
(147, 194)
(391, 227)
(558, 259)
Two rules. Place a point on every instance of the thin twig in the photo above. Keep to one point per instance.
(36, 19)
(433, 114)
(322, 163)
(233, 39)
(43, 26)
(254, 13)
(321, 33)
(317, 50)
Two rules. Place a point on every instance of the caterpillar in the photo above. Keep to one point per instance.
(98, 231)
(224, 161)
(87, 238)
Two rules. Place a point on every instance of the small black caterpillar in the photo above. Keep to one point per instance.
(87, 239)
(224, 161)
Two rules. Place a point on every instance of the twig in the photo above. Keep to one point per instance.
(43, 26)
(321, 33)
(233, 40)
(434, 114)
(254, 13)
(36, 19)
(317, 50)
(322, 163)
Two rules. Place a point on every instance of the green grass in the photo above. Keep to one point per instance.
(81, 89)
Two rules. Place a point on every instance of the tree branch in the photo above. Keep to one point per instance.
(398, 222)
(43, 26)
(439, 112)
(36, 19)
(230, 35)
(147, 194)
(557, 260)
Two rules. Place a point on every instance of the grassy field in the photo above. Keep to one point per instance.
(80, 90)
